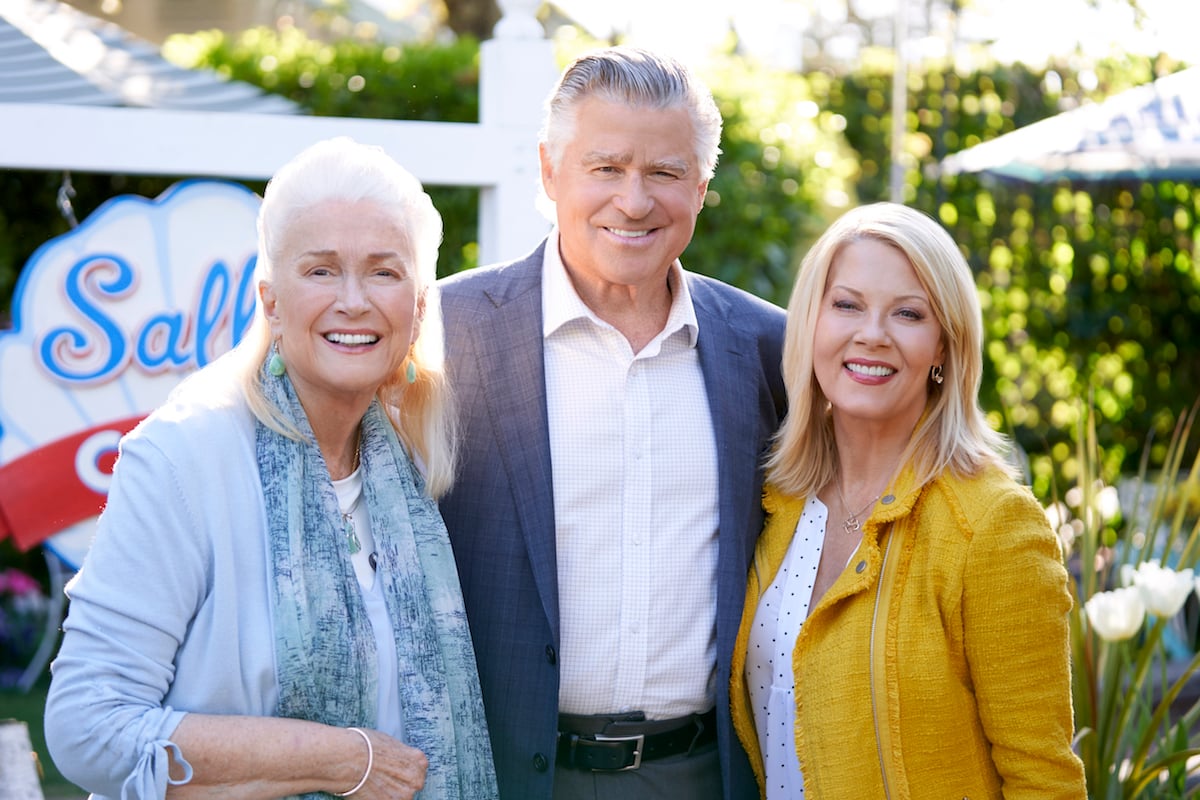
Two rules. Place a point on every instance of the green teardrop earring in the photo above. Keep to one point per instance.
(410, 371)
(275, 364)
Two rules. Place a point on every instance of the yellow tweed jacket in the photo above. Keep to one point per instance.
(961, 687)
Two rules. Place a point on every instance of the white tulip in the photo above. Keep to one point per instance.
(1108, 503)
(1116, 615)
(1163, 590)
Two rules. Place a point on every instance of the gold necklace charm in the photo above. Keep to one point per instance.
(851, 524)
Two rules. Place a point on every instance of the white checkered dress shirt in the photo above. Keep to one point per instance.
(635, 505)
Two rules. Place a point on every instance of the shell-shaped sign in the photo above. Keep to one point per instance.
(108, 318)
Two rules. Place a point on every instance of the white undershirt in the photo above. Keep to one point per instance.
(389, 718)
(635, 506)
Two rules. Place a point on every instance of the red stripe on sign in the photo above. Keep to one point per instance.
(41, 493)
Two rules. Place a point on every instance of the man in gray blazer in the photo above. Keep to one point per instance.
(614, 412)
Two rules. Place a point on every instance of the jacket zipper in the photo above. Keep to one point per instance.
(871, 653)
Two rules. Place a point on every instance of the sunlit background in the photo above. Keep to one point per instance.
(794, 34)
(800, 33)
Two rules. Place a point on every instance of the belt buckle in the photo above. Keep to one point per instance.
(637, 750)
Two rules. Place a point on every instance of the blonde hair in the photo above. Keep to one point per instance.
(342, 169)
(953, 432)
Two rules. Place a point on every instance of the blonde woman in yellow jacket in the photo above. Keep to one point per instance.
(905, 633)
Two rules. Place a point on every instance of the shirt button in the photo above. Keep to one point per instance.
(540, 762)
(861, 566)
(551, 656)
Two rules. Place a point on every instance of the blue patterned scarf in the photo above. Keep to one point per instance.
(324, 642)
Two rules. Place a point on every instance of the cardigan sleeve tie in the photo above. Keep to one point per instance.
(152, 773)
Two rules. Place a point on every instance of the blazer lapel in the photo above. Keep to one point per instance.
(728, 359)
(509, 341)
(729, 362)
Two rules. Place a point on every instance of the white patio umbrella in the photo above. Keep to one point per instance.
(1148, 132)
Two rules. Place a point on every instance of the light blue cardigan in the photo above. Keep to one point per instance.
(171, 608)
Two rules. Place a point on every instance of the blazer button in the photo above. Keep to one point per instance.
(540, 762)
(551, 656)
(860, 566)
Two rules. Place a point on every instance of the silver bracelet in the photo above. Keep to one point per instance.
(370, 763)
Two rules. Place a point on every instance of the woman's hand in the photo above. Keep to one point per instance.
(260, 758)
(397, 770)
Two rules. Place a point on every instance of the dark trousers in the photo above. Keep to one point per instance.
(681, 777)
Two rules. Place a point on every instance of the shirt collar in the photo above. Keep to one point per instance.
(561, 303)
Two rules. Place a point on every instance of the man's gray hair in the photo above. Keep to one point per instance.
(637, 78)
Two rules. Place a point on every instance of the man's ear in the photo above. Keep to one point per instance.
(547, 169)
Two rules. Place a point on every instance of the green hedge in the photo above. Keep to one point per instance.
(1090, 290)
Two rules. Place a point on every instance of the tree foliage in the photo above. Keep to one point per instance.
(474, 18)
(1090, 290)
(784, 172)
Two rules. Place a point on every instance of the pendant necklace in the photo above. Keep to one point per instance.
(352, 542)
(851, 523)
(351, 534)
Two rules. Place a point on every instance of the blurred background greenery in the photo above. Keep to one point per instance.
(1089, 290)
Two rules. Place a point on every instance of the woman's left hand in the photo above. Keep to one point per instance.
(260, 758)
(397, 771)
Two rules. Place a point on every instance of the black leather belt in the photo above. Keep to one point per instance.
(624, 741)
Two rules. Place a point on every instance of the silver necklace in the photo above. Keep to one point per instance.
(352, 542)
(351, 534)
(851, 523)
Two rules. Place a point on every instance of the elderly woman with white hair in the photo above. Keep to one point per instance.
(271, 607)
